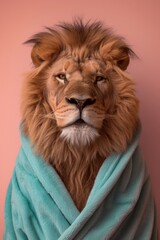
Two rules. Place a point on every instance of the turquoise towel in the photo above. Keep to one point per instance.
(120, 205)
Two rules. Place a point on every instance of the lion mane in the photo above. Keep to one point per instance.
(78, 102)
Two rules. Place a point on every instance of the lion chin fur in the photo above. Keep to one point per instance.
(78, 102)
(79, 135)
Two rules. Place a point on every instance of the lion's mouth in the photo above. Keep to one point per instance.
(79, 122)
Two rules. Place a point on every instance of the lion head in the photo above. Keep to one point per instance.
(78, 101)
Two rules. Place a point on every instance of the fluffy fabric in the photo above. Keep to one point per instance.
(120, 205)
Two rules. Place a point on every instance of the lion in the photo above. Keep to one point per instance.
(78, 102)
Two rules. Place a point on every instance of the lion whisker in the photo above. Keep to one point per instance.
(50, 115)
(109, 116)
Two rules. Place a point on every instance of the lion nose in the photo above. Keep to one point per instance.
(81, 103)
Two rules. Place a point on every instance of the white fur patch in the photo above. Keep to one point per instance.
(79, 135)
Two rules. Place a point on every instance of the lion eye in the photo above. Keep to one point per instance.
(61, 77)
(100, 78)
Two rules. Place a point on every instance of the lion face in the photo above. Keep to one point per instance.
(77, 94)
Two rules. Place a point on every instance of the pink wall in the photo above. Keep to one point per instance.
(138, 21)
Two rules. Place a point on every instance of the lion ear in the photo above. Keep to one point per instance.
(46, 47)
(121, 57)
(118, 52)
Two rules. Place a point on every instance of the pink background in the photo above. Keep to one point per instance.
(138, 21)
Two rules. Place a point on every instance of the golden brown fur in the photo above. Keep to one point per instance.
(85, 53)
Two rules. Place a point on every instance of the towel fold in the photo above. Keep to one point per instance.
(120, 205)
